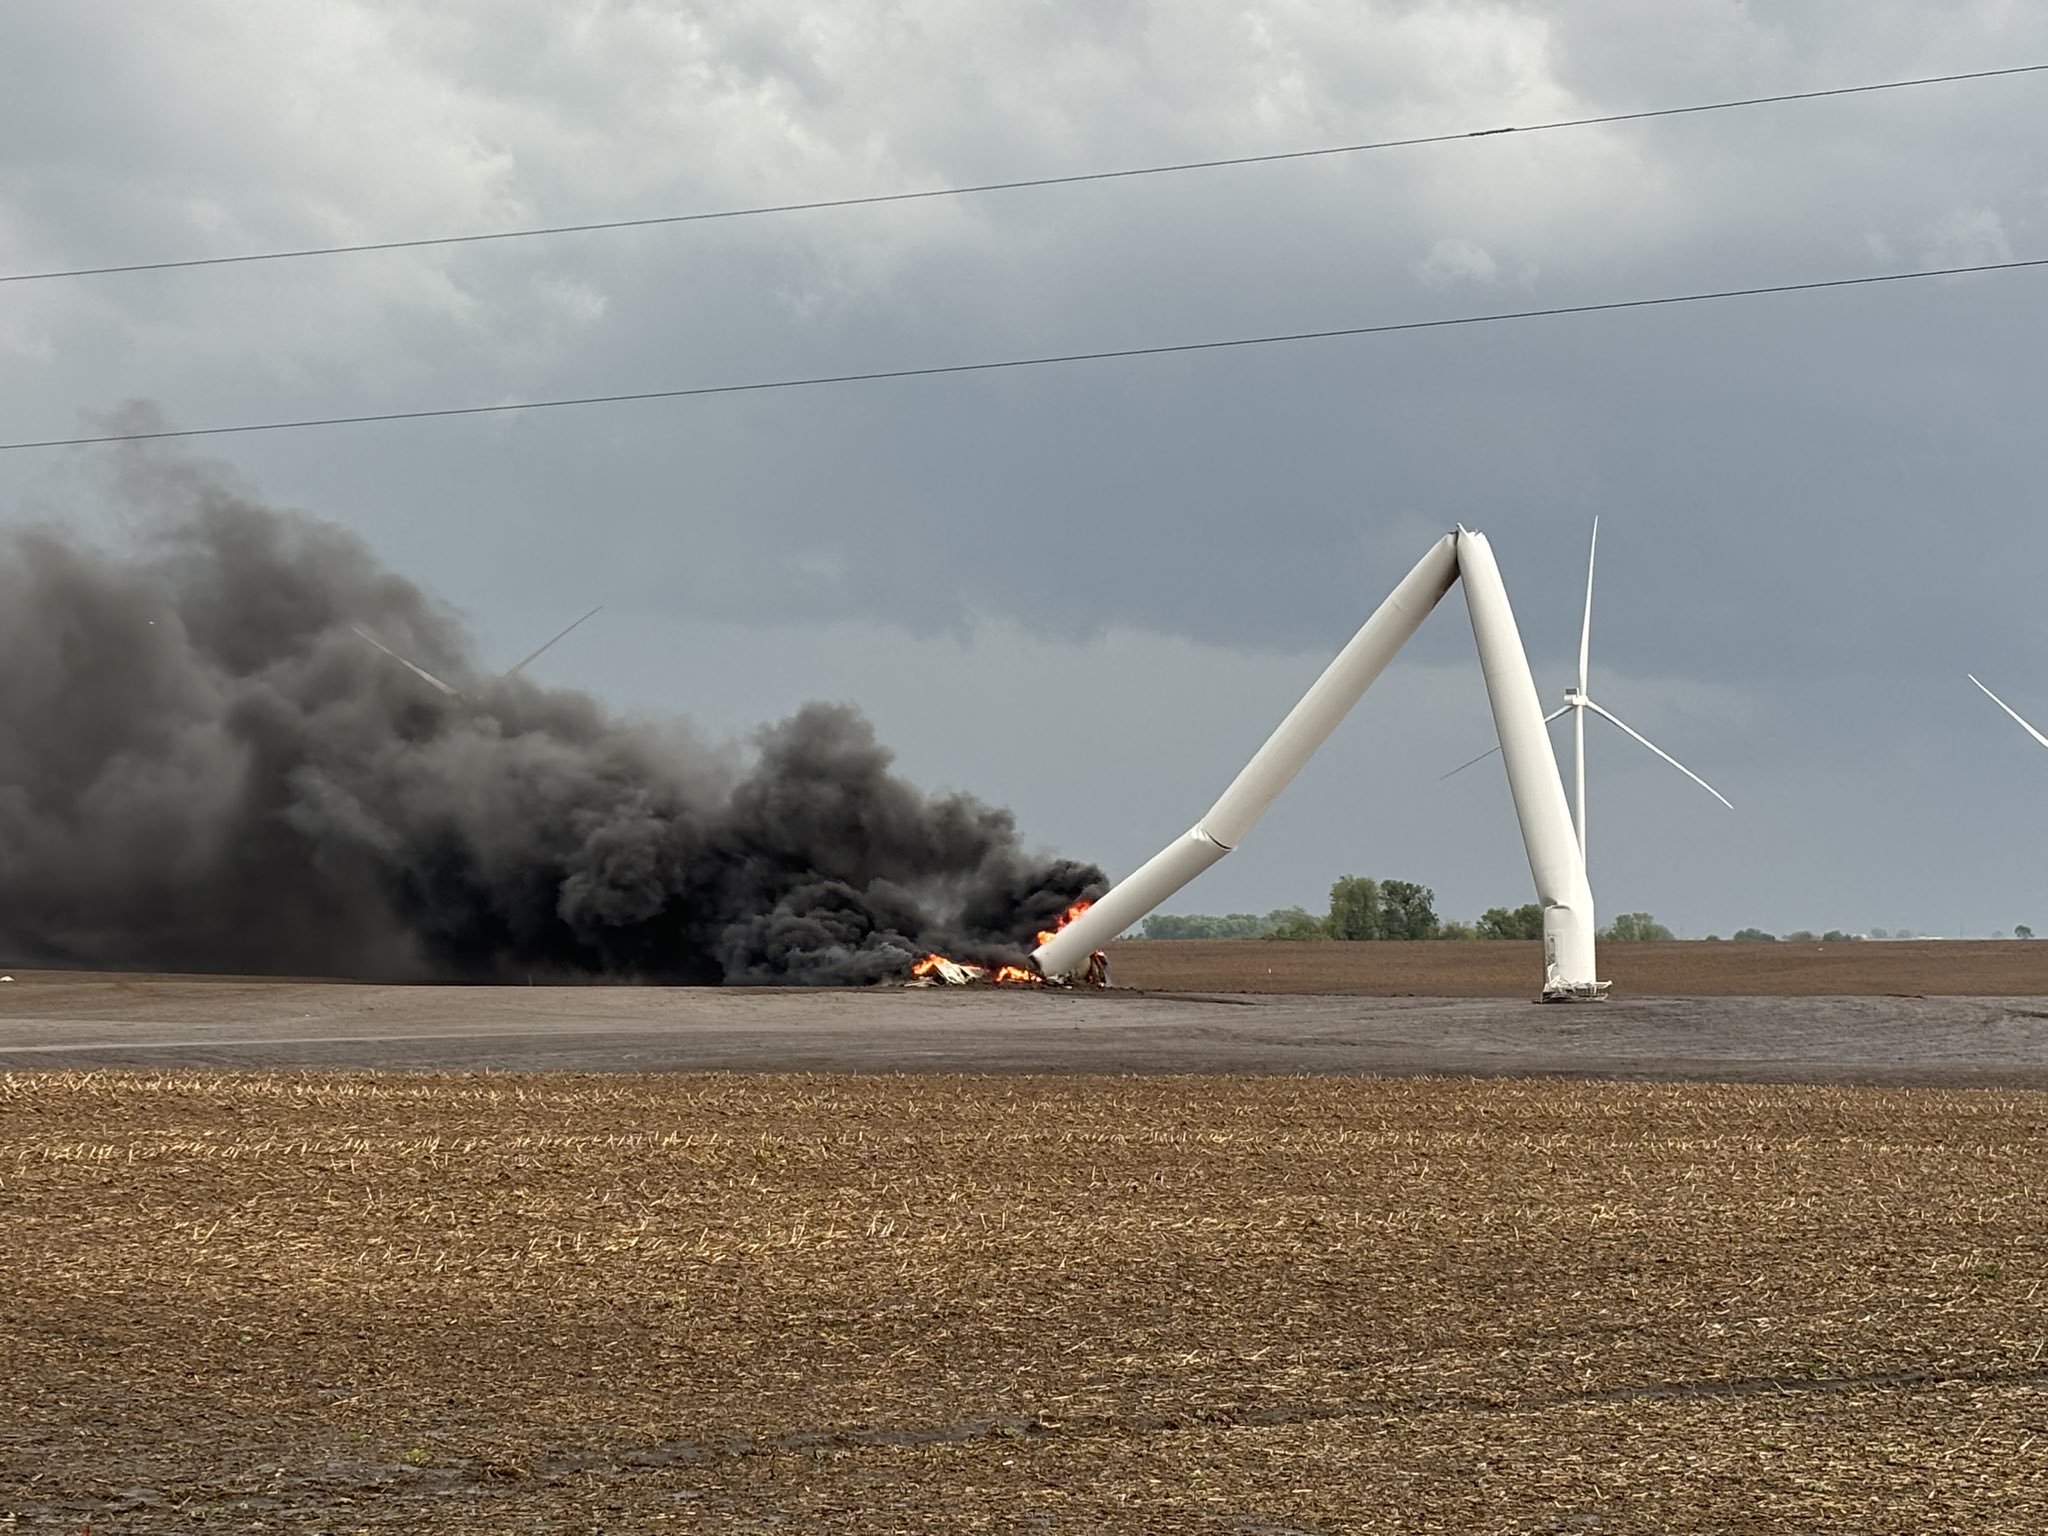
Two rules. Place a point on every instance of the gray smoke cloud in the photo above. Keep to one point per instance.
(204, 768)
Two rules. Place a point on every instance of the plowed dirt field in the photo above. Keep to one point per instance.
(460, 1304)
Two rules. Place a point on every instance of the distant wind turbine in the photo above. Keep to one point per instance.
(1994, 698)
(450, 689)
(1578, 700)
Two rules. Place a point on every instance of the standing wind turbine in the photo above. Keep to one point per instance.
(1994, 698)
(449, 688)
(1577, 701)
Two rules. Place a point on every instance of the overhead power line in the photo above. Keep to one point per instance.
(1020, 185)
(1106, 355)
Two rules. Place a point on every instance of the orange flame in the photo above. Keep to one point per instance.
(961, 973)
(1045, 935)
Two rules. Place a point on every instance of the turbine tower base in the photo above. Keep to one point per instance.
(1574, 992)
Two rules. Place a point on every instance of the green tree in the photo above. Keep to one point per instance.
(1407, 910)
(1635, 928)
(1295, 923)
(1355, 909)
(2022, 931)
(1524, 922)
(1455, 930)
(1200, 925)
(1801, 936)
(1754, 936)
(1834, 936)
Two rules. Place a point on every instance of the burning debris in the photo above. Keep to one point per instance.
(936, 970)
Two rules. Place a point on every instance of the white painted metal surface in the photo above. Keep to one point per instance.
(1126, 902)
(1577, 701)
(1994, 698)
(1272, 768)
(1540, 808)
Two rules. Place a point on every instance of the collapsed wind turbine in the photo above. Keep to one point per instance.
(1555, 859)
(1579, 700)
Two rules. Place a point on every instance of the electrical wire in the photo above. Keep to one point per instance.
(876, 375)
(1014, 186)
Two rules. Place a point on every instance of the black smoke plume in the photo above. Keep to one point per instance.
(204, 768)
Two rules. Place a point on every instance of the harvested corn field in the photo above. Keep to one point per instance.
(467, 1304)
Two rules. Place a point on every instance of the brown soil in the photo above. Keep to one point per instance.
(1880, 968)
(1914, 968)
(509, 1304)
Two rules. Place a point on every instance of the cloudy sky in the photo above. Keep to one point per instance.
(1087, 592)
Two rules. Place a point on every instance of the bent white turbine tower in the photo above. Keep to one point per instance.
(1554, 856)
(1579, 700)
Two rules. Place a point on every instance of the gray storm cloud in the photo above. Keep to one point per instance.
(203, 768)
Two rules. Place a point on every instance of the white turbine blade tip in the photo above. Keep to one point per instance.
(1586, 628)
(1555, 714)
(1994, 698)
(1482, 757)
(1674, 762)
(415, 669)
(536, 654)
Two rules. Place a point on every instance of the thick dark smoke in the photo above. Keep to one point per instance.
(203, 768)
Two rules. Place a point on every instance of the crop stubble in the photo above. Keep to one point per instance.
(334, 1302)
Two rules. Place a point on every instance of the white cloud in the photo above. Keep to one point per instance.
(1965, 237)
(1454, 261)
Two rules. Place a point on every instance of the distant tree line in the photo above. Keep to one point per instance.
(1232, 925)
(1805, 936)
(1364, 909)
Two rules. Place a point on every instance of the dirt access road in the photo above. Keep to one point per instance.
(55, 1022)
(1873, 968)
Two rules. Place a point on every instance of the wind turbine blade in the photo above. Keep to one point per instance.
(1994, 698)
(1482, 757)
(1674, 762)
(536, 655)
(1489, 752)
(1586, 629)
(417, 671)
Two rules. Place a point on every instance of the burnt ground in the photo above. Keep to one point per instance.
(1244, 1305)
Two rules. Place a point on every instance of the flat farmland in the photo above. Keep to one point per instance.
(1932, 1015)
(327, 1302)
(1873, 968)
